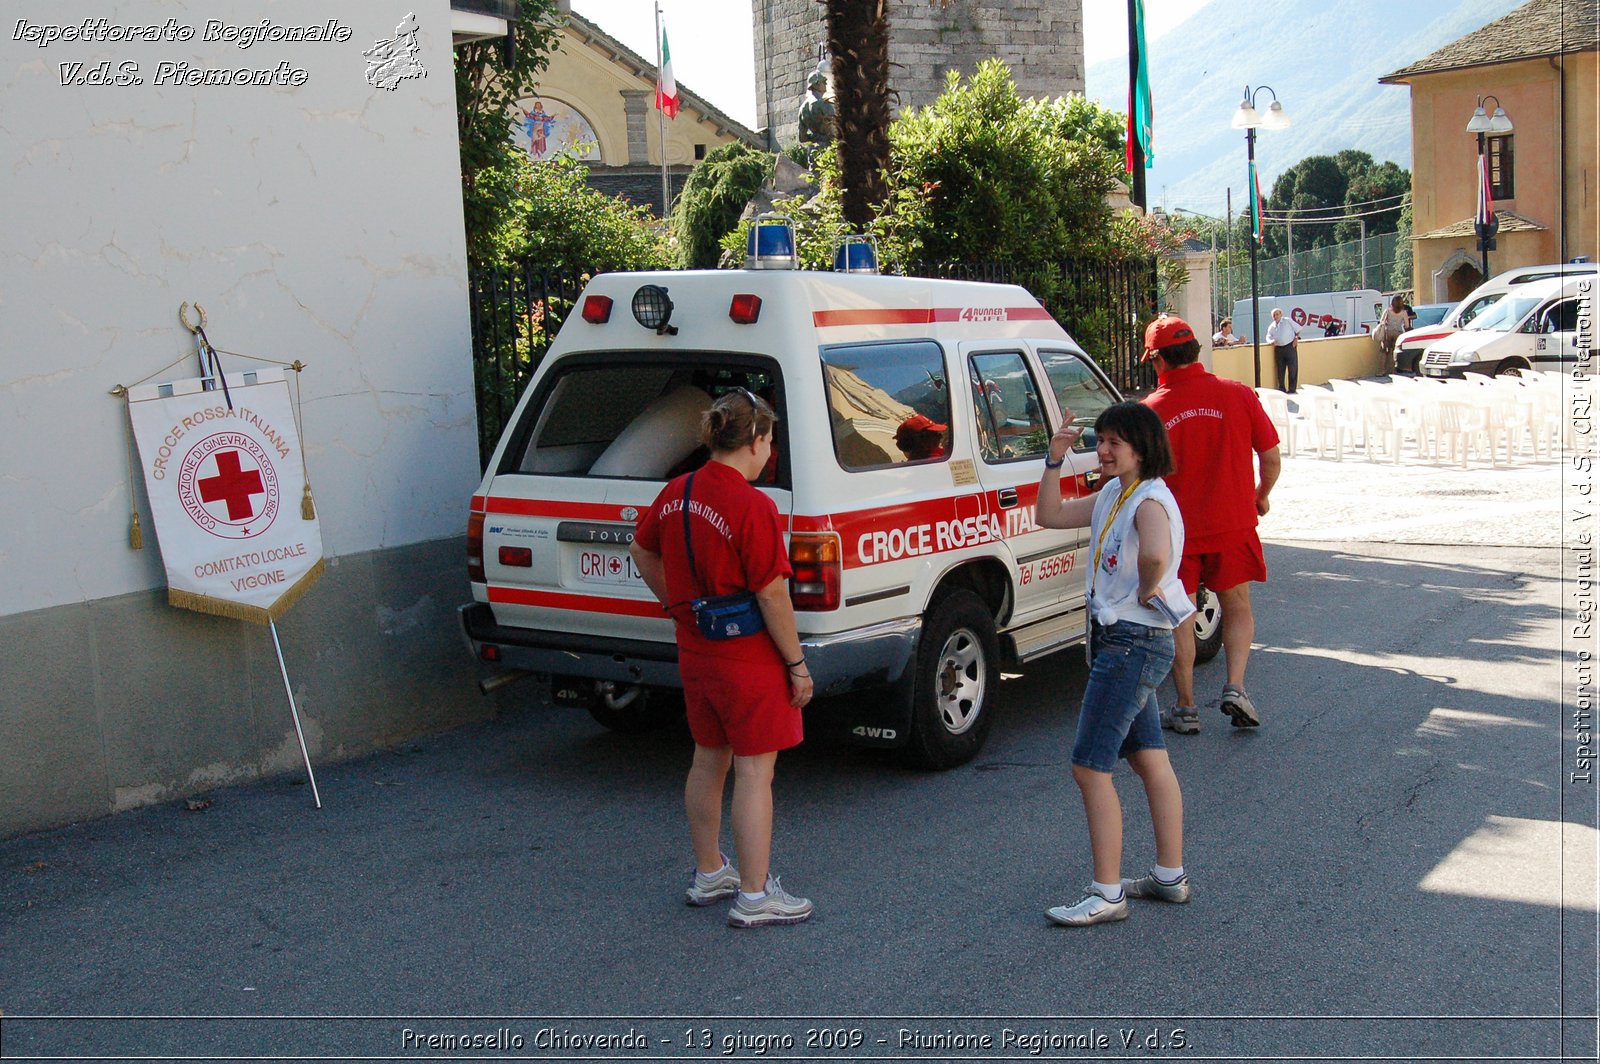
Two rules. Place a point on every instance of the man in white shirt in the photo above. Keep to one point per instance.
(1225, 336)
(1283, 334)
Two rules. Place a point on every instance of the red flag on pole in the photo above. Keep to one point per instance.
(1485, 217)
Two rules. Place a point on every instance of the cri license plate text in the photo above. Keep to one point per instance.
(607, 567)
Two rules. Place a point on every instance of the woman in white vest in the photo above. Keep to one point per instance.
(1135, 600)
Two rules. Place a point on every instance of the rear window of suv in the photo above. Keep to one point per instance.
(630, 419)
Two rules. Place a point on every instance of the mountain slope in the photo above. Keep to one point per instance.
(1323, 62)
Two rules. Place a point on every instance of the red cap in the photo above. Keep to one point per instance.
(1165, 331)
(917, 423)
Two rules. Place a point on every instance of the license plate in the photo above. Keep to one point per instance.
(601, 566)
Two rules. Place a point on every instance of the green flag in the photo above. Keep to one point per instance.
(1141, 114)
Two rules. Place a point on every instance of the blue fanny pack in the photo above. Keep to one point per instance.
(719, 617)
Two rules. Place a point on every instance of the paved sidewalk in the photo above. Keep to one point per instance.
(1357, 501)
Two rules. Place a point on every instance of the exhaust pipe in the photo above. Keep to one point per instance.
(491, 684)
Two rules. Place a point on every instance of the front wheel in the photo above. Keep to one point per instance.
(1207, 626)
(1511, 367)
(955, 682)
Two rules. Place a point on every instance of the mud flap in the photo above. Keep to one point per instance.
(877, 717)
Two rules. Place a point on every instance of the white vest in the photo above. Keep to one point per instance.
(1113, 584)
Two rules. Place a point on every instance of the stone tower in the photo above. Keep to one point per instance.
(1040, 40)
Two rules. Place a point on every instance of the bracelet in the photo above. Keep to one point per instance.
(1055, 465)
(796, 663)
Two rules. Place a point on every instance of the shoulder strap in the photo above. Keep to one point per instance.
(688, 536)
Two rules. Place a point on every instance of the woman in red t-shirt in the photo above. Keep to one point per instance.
(743, 695)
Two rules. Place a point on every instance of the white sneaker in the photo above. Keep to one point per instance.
(776, 906)
(1095, 908)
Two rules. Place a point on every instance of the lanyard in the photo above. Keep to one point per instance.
(1094, 573)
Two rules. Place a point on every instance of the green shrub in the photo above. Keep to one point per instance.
(717, 190)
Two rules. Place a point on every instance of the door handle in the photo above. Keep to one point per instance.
(1008, 496)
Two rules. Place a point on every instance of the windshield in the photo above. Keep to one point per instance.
(1476, 307)
(1504, 315)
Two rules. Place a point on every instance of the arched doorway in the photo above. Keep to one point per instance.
(1462, 280)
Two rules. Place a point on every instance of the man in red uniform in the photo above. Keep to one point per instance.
(1217, 428)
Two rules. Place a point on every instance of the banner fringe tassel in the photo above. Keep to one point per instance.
(308, 508)
(135, 533)
(239, 611)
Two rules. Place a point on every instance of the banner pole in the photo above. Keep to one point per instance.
(295, 713)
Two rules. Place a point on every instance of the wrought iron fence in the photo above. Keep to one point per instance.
(516, 312)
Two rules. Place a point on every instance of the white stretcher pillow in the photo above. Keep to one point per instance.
(664, 434)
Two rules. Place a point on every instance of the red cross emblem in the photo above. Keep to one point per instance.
(227, 484)
(233, 485)
(615, 565)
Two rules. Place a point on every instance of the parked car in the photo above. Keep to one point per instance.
(1429, 314)
(918, 571)
(1408, 350)
(1533, 327)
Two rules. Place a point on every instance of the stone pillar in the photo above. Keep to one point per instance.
(636, 105)
(1193, 302)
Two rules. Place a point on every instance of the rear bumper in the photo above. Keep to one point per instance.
(839, 662)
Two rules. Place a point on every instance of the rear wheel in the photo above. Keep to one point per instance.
(634, 708)
(955, 682)
(1207, 626)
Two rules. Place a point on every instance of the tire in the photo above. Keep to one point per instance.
(1511, 367)
(957, 676)
(1207, 627)
(634, 709)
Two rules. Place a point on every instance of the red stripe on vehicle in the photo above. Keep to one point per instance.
(593, 511)
(557, 600)
(823, 319)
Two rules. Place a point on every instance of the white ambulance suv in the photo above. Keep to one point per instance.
(914, 419)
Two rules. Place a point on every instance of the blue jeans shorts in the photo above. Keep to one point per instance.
(1121, 714)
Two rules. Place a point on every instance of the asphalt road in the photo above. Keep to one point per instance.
(1378, 872)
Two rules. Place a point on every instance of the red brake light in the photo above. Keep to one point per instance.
(745, 309)
(518, 556)
(815, 558)
(596, 309)
(475, 549)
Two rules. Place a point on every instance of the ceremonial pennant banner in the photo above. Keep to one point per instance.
(225, 487)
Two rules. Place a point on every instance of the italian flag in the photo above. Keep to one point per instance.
(666, 85)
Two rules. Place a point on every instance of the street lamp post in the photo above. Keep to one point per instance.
(1249, 119)
(1485, 224)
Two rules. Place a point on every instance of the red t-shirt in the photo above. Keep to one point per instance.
(1217, 427)
(738, 546)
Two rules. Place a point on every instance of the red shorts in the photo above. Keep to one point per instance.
(1224, 565)
(740, 704)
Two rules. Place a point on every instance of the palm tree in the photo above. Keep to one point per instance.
(858, 40)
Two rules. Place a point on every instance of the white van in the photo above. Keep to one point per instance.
(1409, 349)
(918, 570)
(1532, 327)
(1317, 313)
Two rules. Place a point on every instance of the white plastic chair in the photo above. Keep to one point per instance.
(1321, 409)
(1386, 423)
(1460, 425)
(1289, 425)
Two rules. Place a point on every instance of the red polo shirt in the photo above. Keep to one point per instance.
(1217, 427)
(738, 546)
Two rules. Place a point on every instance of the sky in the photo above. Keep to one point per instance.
(720, 66)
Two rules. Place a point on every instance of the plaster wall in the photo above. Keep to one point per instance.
(318, 221)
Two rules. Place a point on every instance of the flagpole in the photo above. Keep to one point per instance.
(661, 124)
(295, 713)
